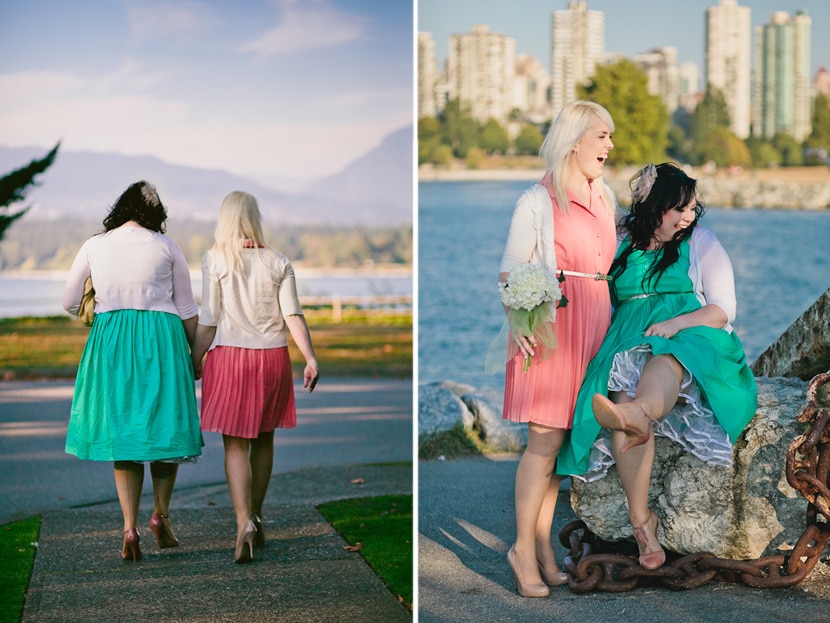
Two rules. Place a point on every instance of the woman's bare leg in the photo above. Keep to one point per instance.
(262, 462)
(238, 473)
(164, 479)
(536, 489)
(129, 479)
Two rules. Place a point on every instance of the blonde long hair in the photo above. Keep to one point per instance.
(239, 220)
(570, 125)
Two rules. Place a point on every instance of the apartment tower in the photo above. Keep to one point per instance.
(427, 75)
(578, 46)
(481, 67)
(660, 67)
(783, 99)
(728, 59)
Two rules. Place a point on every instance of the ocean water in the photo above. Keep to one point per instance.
(39, 293)
(780, 260)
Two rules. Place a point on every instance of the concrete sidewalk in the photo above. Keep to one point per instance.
(467, 524)
(302, 573)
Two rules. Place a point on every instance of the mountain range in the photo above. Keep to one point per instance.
(374, 190)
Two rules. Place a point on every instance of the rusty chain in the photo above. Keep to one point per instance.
(807, 466)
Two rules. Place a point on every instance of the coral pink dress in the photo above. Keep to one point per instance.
(585, 241)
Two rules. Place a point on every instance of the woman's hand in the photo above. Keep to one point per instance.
(526, 345)
(311, 375)
(667, 328)
(709, 315)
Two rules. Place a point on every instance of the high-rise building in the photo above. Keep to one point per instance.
(578, 46)
(531, 89)
(689, 77)
(783, 97)
(660, 67)
(427, 75)
(728, 59)
(821, 83)
(481, 67)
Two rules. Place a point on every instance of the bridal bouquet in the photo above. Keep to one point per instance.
(528, 294)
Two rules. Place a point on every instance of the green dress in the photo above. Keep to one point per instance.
(719, 388)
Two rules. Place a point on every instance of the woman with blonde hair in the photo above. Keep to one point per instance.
(249, 305)
(573, 197)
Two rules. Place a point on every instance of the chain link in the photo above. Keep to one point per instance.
(807, 466)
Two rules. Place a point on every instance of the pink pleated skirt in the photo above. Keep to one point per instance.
(546, 393)
(247, 391)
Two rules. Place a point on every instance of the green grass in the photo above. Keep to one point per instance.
(371, 345)
(456, 442)
(383, 526)
(17, 552)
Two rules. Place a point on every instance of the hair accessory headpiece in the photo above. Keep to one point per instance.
(645, 182)
(148, 191)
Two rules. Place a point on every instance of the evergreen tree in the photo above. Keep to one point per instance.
(459, 130)
(710, 119)
(15, 185)
(641, 120)
(818, 143)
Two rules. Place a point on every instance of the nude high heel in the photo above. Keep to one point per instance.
(525, 590)
(650, 558)
(163, 530)
(244, 552)
(130, 548)
(614, 416)
(555, 578)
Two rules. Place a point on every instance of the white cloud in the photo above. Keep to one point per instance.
(362, 97)
(162, 18)
(307, 26)
(60, 107)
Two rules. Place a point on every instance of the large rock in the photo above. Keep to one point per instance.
(803, 350)
(742, 512)
(444, 406)
(440, 409)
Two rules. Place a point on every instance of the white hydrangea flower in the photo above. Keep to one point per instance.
(529, 286)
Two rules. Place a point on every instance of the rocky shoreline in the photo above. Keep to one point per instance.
(768, 189)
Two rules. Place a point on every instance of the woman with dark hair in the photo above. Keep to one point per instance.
(134, 397)
(670, 363)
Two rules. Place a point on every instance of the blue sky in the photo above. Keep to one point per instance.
(270, 89)
(630, 27)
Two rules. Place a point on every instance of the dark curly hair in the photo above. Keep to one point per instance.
(672, 190)
(139, 203)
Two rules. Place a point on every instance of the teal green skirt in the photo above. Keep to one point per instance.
(134, 394)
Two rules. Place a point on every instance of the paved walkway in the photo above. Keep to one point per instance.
(466, 525)
(302, 574)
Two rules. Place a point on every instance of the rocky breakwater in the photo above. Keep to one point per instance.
(742, 512)
(804, 189)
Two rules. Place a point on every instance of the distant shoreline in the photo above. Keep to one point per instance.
(799, 188)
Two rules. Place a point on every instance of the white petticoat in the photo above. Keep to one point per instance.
(691, 423)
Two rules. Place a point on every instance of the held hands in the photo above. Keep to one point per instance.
(667, 328)
(197, 369)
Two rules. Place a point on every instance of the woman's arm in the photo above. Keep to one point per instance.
(190, 328)
(302, 338)
(718, 284)
(707, 316)
(201, 343)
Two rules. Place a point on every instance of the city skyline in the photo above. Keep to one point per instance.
(629, 30)
(268, 89)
